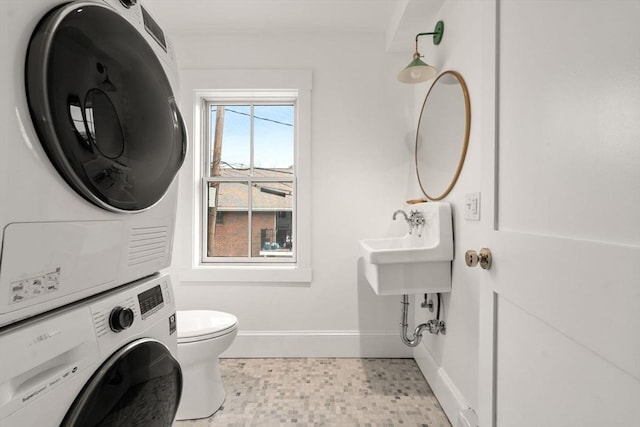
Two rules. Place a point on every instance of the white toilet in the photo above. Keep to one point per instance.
(202, 336)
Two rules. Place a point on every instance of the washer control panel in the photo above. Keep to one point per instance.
(120, 319)
(150, 301)
(131, 309)
(114, 317)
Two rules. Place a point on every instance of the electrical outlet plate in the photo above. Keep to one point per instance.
(472, 206)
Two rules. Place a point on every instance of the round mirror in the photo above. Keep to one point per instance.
(443, 135)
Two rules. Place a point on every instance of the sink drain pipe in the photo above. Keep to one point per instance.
(434, 326)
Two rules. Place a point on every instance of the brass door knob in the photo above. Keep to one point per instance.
(472, 258)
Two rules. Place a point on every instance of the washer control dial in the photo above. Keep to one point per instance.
(120, 318)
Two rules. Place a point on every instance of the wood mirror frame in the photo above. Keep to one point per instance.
(440, 132)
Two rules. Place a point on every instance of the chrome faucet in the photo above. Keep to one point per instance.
(406, 218)
(400, 211)
(415, 220)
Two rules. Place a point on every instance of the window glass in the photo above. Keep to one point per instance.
(250, 182)
(230, 127)
(227, 219)
(272, 220)
(273, 134)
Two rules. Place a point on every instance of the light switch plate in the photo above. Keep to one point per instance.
(472, 206)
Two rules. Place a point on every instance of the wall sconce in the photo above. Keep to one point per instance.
(418, 71)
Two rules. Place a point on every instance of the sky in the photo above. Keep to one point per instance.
(273, 135)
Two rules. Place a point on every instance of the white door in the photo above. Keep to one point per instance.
(560, 306)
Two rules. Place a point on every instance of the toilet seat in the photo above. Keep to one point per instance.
(200, 325)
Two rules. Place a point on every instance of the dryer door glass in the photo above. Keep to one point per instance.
(103, 107)
(139, 385)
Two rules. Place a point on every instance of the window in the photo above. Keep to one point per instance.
(203, 89)
(249, 179)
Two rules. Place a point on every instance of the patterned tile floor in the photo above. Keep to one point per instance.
(324, 392)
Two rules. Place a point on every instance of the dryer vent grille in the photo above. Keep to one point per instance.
(148, 244)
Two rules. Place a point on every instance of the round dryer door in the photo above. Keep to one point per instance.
(103, 107)
(139, 385)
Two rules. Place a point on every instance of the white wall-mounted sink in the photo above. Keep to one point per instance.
(416, 263)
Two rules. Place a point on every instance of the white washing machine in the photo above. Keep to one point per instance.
(106, 361)
(91, 141)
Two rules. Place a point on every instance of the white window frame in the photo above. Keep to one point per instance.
(271, 98)
(199, 85)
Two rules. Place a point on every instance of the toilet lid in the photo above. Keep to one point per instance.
(204, 324)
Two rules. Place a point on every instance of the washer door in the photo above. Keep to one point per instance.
(139, 385)
(103, 107)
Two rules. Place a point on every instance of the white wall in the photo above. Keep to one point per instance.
(450, 361)
(361, 118)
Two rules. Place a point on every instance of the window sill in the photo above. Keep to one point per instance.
(250, 274)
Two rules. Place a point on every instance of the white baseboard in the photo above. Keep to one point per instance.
(450, 398)
(256, 344)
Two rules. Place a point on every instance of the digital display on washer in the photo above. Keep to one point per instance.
(154, 29)
(150, 301)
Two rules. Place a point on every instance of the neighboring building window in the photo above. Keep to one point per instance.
(249, 180)
(219, 217)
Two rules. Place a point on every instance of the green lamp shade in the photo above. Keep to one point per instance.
(417, 71)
